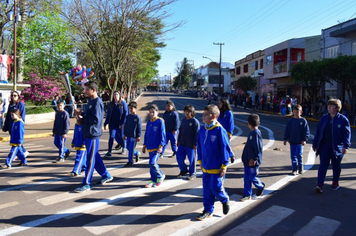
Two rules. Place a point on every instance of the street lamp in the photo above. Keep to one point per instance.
(221, 82)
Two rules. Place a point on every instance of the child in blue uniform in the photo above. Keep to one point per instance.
(297, 134)
(132, 132)
(171, 122)
(60, 130)
(115, 117)
(79, 145)
(226, 119)
(252, 158)
(92, 130)
(154, 140)
(16, 140)
(187, 142)
(213, 157)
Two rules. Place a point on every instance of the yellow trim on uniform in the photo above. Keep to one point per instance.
(212, 171)
(213, 127)
(15, 144)
(80, 148)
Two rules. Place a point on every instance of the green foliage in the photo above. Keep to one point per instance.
(46, 44)
(246, 83)
(33, 109)
(184, 70)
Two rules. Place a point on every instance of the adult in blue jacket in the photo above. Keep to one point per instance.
(115, 117)
(331, 142)
(15, 103)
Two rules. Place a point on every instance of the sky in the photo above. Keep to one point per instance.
(243, 26)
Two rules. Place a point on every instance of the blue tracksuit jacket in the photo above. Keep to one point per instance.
(116, 114)
(17, 133)
(133, 126)
(155, 135)
(171, 121)
(93, 118)
(297, 130)
(341, 133)
(61, 123)
(253, 149)
(212, 148)
(227, 121)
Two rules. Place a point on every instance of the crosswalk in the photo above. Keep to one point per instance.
(124, 207)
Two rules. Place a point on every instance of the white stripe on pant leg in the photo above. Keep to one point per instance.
(319, 226)
(262, 222)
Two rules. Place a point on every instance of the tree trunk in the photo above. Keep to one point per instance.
(24, 17)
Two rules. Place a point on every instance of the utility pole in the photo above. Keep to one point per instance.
(15, 62)
(221, 82)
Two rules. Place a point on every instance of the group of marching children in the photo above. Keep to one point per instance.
(210, 142)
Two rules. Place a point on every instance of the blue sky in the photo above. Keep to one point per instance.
(244, 26)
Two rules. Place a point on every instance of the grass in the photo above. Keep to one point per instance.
(32, 109)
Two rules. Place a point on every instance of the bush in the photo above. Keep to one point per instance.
(42, 90)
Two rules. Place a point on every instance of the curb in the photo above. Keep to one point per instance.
(30, 136)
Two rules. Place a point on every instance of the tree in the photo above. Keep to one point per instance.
(47, 46)
(246, 83)
(112, 30)
(343, 70)
(5, 9)
(184, 70)
(310, 75)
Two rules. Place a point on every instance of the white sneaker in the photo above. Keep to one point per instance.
(26, 153)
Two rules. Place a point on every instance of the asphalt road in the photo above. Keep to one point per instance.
(39, 199)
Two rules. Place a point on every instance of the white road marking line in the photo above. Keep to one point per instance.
(319, 226)
(9, 204)
(61, 197)
(90, 207)
(112, 222)
(262, 222)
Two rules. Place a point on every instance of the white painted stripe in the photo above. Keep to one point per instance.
(319, 226)
(262, 222)
(92, 206)
(57, 198)
(9, 204)
(270, 135)
(109, 223)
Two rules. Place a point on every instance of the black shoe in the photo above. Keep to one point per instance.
(21, 164)
(59, 159)
(173, 155)
(118, 146)
(226, 207)
(301, 170)
(67, 154)
(128, 164)
(137, 157)
(260, 191)
(204, 215)
(232, 159)
(182, 173)
(191, 176)
(294, 173)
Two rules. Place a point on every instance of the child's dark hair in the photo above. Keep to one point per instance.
(297, 107)
(212, 109)
(92, 85)
(16, 111)
(253, 120)
(133, 104)
(172, 104)
(153, 106)
(191, 109)
(225, 105)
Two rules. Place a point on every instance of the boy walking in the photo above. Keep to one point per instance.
(132, 132)
(297, 134)
(187, 142)
(213, 157)
(252, 158)
(60, 131)
(92, 130)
